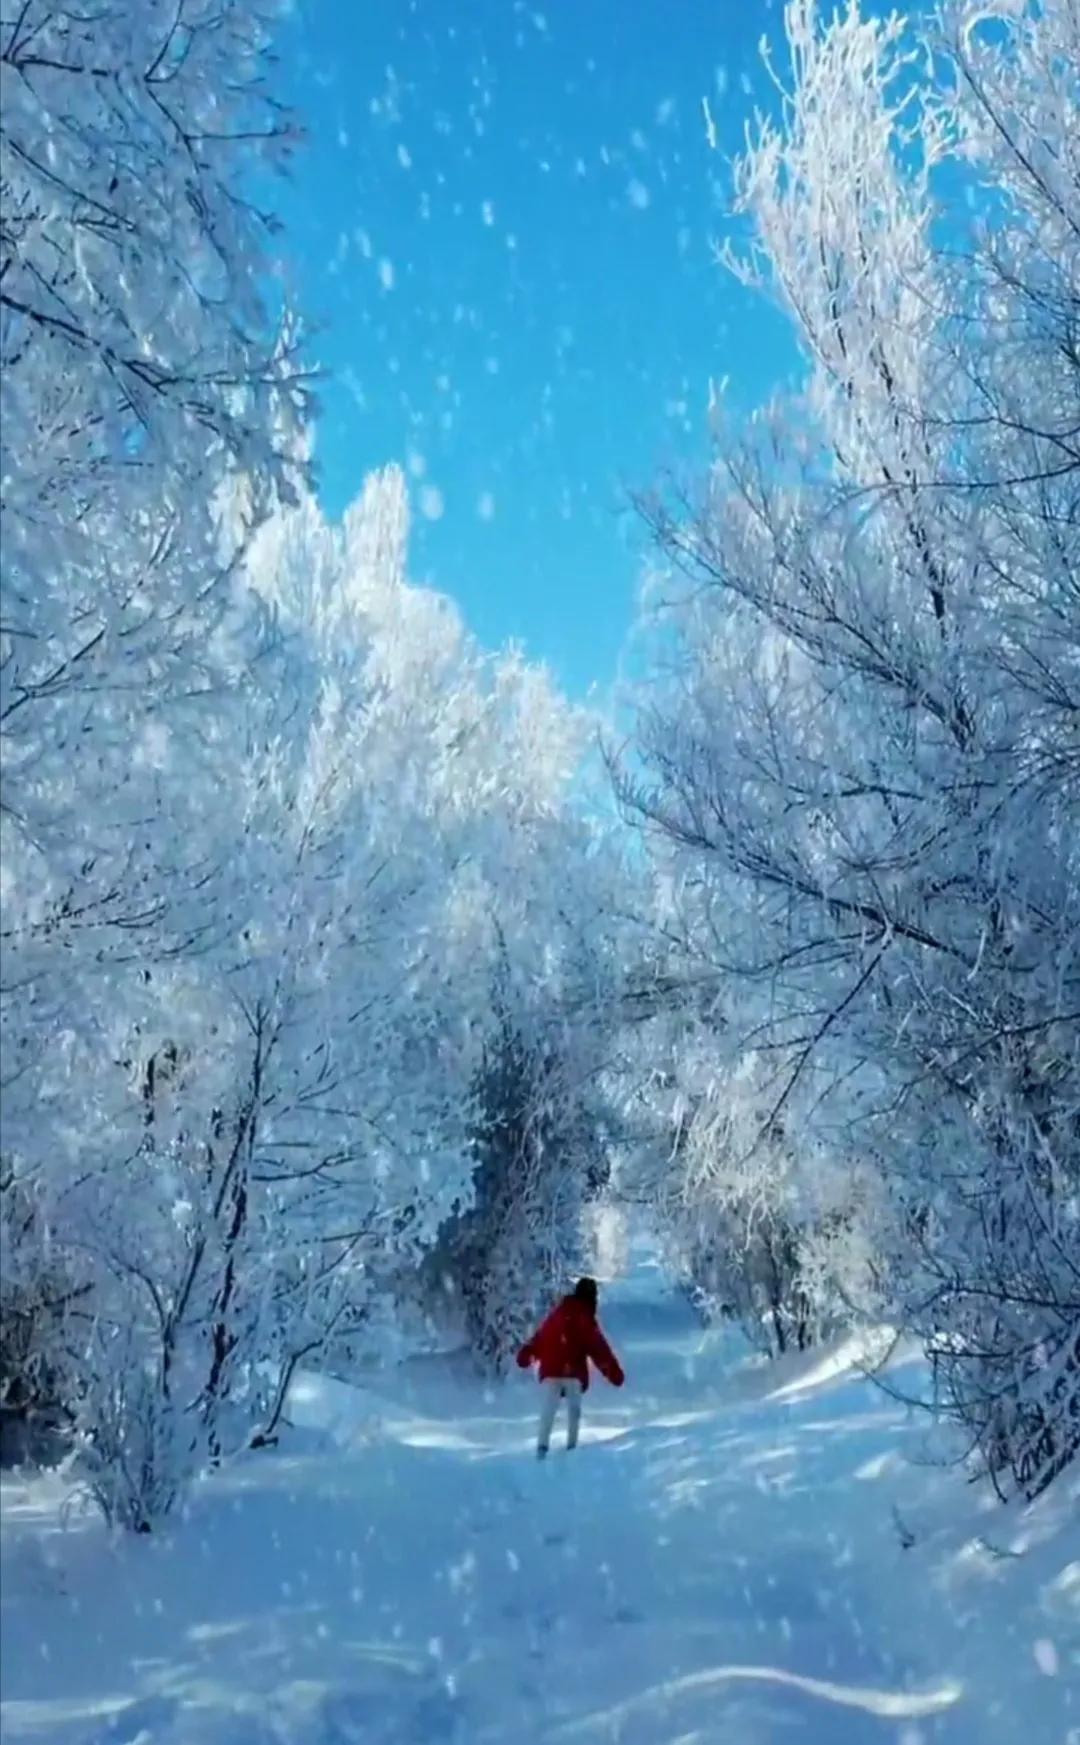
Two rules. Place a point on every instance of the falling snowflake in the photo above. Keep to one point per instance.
(1046, 1657)
(710, 124)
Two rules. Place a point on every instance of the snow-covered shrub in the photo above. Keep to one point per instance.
(756, 1224)
(743, 1266)
(39, 1298)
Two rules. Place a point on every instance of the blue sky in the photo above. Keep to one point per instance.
(502, 225)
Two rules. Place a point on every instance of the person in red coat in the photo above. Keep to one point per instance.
(562, 1346)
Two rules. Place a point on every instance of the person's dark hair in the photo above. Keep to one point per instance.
(585, 1291)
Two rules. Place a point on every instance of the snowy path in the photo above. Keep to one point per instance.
(712, 1568)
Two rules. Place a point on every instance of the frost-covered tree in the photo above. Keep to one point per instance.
(142, 366)
(864, 762)
(150, 410)
(150, 396)
(271, 1107)
(149, 416)
(758, 1224)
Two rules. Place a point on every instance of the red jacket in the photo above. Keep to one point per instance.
(564, 1343)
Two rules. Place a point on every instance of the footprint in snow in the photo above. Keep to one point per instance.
(384, 1718)
(141, 1723)
(437, 1716)
(350, 1717)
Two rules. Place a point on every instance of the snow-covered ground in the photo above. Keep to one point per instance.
(727, 1560)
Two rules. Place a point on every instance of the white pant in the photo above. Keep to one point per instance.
(553, 1391)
